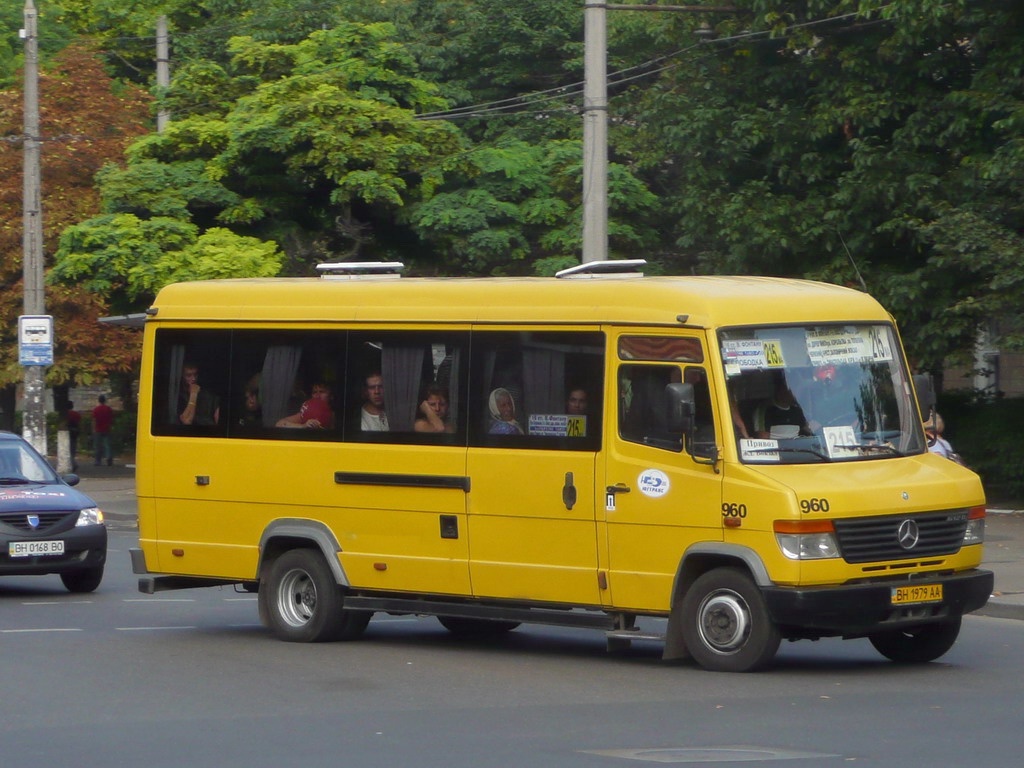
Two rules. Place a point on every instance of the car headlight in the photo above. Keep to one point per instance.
(90, 516)
(806, 540)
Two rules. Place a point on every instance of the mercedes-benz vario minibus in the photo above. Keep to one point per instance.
(740, 457)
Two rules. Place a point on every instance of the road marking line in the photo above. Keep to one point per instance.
(58, 602)
(147, 629)
(158, 600)
(67, 629)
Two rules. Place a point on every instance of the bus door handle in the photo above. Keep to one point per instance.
(617, 488)
(569, 492)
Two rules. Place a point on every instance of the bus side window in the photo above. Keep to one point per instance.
(643, 405)
(191, 376)
(406, 387)
(537, 389)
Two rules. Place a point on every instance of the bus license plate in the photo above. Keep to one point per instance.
(34, 548)
(919, 593)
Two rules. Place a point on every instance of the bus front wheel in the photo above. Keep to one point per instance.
(301, 603)
(726, 624)
(917, 645)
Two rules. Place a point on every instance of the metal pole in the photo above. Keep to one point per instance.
(34, 415)
(163, 71)
(595, 132)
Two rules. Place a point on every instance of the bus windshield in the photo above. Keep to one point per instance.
(806, 394)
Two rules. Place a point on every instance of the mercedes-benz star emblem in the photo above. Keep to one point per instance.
(907, 534)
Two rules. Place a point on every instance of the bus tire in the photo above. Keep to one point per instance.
(477, 628)
(301, 602)
(726, 624)
(917, 645)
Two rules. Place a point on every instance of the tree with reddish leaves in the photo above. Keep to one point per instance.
(86, 121)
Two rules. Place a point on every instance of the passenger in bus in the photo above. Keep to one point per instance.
(503, 413)
(372, 417)
(576, 402)
(434, 412)
(737, 418)
(251, 412)
(196, 405)
(315, 413)
(781, 415)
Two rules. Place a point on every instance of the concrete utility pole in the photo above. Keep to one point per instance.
(34, 418)
(595, 131)
(595, 116)
(163, 71)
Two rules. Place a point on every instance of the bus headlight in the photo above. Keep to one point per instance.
(90, 516)
(806, 539)
(975, 531)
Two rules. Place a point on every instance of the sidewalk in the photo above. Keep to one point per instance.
(113, 488)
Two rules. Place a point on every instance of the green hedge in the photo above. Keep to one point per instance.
(988, 435)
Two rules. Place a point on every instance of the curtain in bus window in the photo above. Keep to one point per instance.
(401, 368)
(452, 383)
(543, 380)
(280, 366)
(177, 360)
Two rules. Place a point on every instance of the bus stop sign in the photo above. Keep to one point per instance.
(35, 339)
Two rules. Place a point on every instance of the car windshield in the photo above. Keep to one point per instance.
(20, 464)
(804, 394)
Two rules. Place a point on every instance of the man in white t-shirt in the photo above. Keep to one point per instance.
(372, 417)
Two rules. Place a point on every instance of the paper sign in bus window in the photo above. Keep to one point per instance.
(557, 425)
(840, 442)
(759, 450)
(846, 345)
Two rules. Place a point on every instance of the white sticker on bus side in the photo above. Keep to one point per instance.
(653, 483)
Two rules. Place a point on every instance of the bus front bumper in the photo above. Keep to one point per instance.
(859, 609)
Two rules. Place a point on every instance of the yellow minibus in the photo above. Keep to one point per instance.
(740, 457)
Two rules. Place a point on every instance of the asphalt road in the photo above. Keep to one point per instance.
(190, 679)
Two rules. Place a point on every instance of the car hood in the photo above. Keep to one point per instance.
(42, 497)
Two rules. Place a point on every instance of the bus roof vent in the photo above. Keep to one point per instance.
(609, 268)
(360, 270)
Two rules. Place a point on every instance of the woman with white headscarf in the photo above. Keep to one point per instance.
(503, 413)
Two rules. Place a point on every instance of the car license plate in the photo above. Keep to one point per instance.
(919, 593)
(35, 548)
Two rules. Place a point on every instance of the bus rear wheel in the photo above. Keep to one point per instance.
(917, 645)
(726, 624)
(301, 602)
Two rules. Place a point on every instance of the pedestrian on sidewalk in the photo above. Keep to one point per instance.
(102, 419)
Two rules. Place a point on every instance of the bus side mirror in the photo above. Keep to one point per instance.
(925, 388)
(680, 408)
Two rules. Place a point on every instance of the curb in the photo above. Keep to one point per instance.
(997, 609)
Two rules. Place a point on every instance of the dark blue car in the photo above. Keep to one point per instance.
(46, 526)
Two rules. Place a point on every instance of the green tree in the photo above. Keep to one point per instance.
(885, 134)
(317, 150)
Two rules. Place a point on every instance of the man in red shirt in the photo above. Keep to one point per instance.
(102, 419)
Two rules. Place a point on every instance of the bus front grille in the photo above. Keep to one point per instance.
(901, 537)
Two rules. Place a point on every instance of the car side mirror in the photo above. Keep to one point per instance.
(680, 401)
(924, 386)
(70, 479)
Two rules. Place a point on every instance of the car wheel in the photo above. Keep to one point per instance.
(83, 579)
(301, 602)
(726, 624)
(917, 645)
(464, 627)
